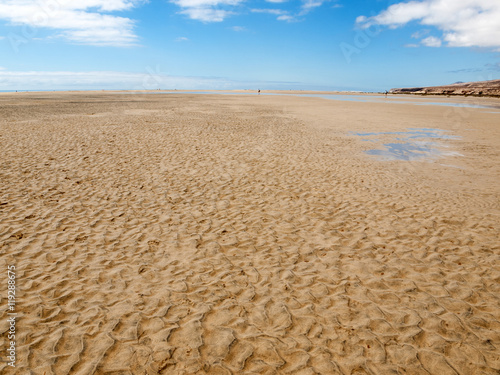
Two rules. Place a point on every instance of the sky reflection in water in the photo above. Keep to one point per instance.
(413, 144)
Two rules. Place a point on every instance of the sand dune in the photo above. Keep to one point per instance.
(184, 234)
(486, 88)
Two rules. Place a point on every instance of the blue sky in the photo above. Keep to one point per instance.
(246, 44)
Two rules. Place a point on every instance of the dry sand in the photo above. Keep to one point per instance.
(210, 234)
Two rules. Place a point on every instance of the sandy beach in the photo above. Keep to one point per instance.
(245, 234)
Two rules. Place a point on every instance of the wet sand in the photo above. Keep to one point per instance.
(211, 234)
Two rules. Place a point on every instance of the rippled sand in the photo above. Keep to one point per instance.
(208, 234)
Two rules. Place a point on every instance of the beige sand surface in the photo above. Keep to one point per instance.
(210, 234)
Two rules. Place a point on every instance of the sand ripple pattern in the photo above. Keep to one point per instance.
(172, 236)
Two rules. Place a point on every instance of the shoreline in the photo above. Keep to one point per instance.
(420, 99)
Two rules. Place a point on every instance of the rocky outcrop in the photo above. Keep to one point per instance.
(483, 88)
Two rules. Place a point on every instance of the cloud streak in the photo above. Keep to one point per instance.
(431, 41)
(208, 10)
(464, 23)
(85, 22)
(281, 15)
(219, 10)
(309, 5)
(306, 7)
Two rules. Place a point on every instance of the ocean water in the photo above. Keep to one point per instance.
(410, 145)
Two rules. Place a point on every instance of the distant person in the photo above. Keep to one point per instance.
(258, 92)
(386, 92)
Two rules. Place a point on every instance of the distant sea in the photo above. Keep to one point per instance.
(29, 90)
(23, 90)
(201, 90)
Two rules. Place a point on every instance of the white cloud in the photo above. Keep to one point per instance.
(431, 41)
(309, 5)
(286, 17)
(411, 45)
(238, 28)
(420, 34)
(182, 39)
(207, 10)
(207, 14)
(465, 23)
(276, 12)
(84, 22)
(283, 15)
(219, 10)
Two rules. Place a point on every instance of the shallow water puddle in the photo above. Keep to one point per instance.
(413, 144)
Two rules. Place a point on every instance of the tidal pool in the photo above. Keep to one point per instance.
(413, 144)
